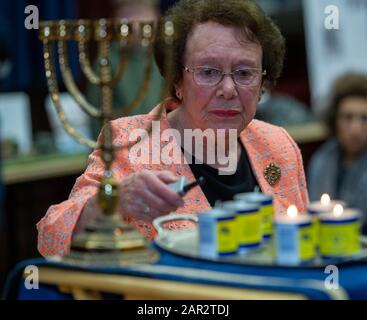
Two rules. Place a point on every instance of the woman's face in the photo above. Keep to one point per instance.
(351, 125)
(225, 105)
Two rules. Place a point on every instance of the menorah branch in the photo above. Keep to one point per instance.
(55, 97)
(70, 83)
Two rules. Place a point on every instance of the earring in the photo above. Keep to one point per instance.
(178, 94)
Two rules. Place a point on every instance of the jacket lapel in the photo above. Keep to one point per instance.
(195, 200)
(258, 158)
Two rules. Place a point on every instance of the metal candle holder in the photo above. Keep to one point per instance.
(108, 240)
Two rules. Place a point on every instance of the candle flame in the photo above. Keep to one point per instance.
(338, 210)
(292, 211)
(325, 199)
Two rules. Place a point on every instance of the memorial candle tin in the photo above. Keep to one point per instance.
(294, 243)
(248, 223)
(340, 233)
(266, 209)
(217, 233)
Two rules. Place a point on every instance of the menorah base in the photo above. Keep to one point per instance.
(115, 259)
(109, 233)
(109, 242)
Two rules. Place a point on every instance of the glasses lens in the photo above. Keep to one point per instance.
(246, 77)
(211, 76)
(207, 76)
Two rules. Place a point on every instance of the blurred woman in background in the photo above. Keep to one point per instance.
(339, 167)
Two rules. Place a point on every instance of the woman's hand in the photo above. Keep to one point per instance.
(146, 195)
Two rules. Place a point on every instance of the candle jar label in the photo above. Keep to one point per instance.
(339, 239)
(316, 230)
(249, 229)
(306, 236)
(294, 243)
(226, 236)
(267, 214)
(217, 234)
(265, 202)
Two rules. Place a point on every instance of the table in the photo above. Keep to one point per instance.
(178, 277)
(31, 168)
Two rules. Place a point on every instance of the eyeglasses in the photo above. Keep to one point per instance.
(244, 77)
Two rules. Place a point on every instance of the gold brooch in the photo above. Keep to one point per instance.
(272, 174)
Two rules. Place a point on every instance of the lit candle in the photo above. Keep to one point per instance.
(294, 241)
(340, 232)
(324, 205)
(316, 208)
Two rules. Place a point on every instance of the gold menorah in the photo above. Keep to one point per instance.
(107, 240)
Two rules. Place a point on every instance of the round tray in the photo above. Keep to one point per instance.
(186, 243)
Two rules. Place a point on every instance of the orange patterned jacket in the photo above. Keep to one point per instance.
(264, 143)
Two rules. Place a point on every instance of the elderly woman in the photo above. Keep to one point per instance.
(342, 160)
(226, 53)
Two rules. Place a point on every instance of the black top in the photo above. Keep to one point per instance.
(224, 187)
(340, 174)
